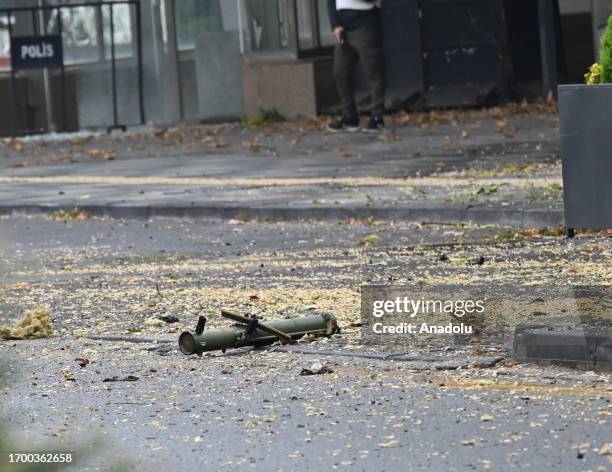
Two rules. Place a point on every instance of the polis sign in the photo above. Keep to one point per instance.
(36, 52)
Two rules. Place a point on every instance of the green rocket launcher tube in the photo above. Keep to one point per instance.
(253, 332)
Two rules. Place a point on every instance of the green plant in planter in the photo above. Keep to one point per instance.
(606, 55)
(601, 73)
(593, 76)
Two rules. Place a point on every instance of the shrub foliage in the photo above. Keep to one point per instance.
(601, 73)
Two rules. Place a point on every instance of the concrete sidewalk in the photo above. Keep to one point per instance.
(485, 167)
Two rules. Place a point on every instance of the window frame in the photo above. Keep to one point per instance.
(293, 50)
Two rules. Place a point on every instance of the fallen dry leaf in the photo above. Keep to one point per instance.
(605, 450)
(344, 152)
(389, 444)
(79, 140)
(16, 145)
(500, 125)
(102, 154)
(297, 137)
(510, 132)
(82, 361)
(214, 144)
(170, 135)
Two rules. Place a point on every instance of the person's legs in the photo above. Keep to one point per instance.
(345, 58)
(368, 44)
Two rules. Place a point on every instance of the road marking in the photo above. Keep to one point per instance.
(281, 182)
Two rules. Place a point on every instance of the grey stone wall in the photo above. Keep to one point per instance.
(219, 75)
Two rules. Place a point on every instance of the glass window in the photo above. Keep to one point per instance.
(86, 32)
(122, 30)
(326, 36)
(79, 33)
(265, 24)
(272, 25)
(196, 16)
(305, 24)
(5, 45)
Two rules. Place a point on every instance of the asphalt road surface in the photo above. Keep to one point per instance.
(145, 406)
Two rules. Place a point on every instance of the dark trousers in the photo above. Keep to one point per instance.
(363, 45)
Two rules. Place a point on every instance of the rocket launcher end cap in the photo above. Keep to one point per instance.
(188, 344)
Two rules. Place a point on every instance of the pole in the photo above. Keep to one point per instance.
(140, 79)
(60, 31)
(51, 126)
(14, 101)
(100, 33)
(173, 74)
(113, 67)
(548, 47)
(35, 31)
(240, 26)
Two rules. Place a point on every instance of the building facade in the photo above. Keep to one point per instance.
(211, 60)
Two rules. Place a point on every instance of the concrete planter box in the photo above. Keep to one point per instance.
(586, 146)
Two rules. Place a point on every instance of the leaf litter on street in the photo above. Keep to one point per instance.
(464, 406)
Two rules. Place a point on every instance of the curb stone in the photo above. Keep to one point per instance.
(582, 342)
(445, 215)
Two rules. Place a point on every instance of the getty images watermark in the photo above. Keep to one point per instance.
(386, 311)
(392, 313)
(476, 313)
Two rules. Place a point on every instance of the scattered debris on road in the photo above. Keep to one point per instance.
(35, 324)
(82, 361)
(115, 378)
(317, 369)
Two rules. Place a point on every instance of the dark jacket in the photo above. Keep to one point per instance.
(352, 19)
